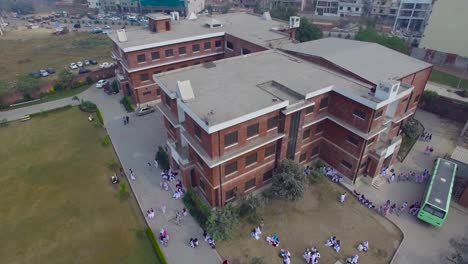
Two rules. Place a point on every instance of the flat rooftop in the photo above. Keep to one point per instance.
(249, 27)
(370, 61)
(264, 81)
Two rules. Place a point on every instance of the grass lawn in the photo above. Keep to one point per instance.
(310, 222)
(24, 52)
(58, 205)
(447, 79)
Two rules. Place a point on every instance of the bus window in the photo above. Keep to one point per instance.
(434, 211)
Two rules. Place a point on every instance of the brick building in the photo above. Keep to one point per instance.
(229, 122)
(171, 43)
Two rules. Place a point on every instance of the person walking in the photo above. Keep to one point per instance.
(128, 119)
(124, 120)
(156, 164)
(342, 197)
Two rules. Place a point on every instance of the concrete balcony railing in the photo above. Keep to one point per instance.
(178, 152)
(387, 147)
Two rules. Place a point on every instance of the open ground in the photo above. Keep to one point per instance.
(310, 222)
(58, 205)
(25, 51)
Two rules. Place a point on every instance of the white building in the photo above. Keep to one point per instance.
(341, 8)
(94, 3)
(194, 6)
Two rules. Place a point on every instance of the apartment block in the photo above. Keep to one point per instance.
(230, 122)
(340, 8)
(172, 43)
(119, 5)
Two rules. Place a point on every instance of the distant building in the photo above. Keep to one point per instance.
(299, 4)
(120, 5)
(185, 7)
(94, 4)
(340, 8)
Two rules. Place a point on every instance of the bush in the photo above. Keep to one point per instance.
(429, 97)
(127, 103)
(315, 176)
(155, 244)
(319, 164)
(51, 90)
(248, 207)
(289, 181)
(88, 106)
(162, 158)
(113, 165)
(58, 86)
(105, 141)
(411, 128)
(99, 116)
(197, 208)
(221, 222)
(3, 122)
(115, 86)
(123, 194)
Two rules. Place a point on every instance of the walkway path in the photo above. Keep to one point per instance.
(422, 243)
(445, 91)
(136, 145)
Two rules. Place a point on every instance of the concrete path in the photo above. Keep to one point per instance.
(136, 145)
(445, 91)
(422, 243)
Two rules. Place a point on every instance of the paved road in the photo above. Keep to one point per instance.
(16, 114)
(444, 90)
(423, 243)
(136, 145)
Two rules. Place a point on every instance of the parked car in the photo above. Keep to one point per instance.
(86, 62)
(87, 25)
(83, 70)
(102, 83)
(96, 30)
(107, 27)
(77, 25)
(115, 18)
(73, 66)
(50, 70)
(144, 110)
(105, 65)
(44, 73)
(92, 61)
(36, 74)
(80, 64)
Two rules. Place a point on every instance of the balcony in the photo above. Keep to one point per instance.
(386, 148)
(178, 152)
(168, 114)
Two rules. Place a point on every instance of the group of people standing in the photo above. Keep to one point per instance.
(389, 208)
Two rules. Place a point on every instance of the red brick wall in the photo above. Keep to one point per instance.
(377, 122)
(339, 136)
(419, 82)
(239, 44)
(159, 25)
(332, 155)
(343, 108)
(209, 142)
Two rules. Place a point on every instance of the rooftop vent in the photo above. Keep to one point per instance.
(266, 15)
(185, 91)
(121, 35)
(192, 16)
(213, 23)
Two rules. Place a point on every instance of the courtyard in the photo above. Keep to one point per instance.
(58, 205)
(309, 223)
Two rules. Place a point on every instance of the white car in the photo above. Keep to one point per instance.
(80, 64)
(115, 18)
(44, 73)
(107, 27)
(105, 65)
(102, 83)
(73, 66)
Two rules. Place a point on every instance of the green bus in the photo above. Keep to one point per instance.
(436, 203)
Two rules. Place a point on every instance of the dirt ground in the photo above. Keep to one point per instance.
(310, 222)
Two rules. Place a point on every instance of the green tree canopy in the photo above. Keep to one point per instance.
(289, 181)
(162, 158)
(308, 31)
(27, 83)
(221, 222)
(371, 35)
(65, 78)
(283, 12)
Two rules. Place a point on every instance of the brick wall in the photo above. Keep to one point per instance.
(238, 45)
(343, 108)
(419, 80)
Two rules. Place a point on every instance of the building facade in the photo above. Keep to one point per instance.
(340, 8)
(95, 4)
(230, 122)
(119, 5)
(171, 43)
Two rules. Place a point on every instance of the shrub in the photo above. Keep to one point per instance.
(248, 207)
(99, 116)
(315, 176)
(197, 208)
(221, 222)
(88, 106)
(58, 86)
(123, 194)
(113, 165)
(89, 80)
(105, 141)
(319, 164)
(75, 98)
(289, 181)
(126, 101)
(51, 90)
(429, 97)
(3, 122)
(155, 244)
(162, 158)
(115, 86)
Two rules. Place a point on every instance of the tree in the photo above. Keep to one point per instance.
(123, 191)
(289, 181)
(27, 83)
(283, 12)
(162, 158)
(371, 35)
(308, 31)
(221, 222)
(65, 78)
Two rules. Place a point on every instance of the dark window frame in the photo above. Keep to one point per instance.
(315, 151)
(228, 170)
(195, 48)
(169, 53)
(226, 136)
(141, 58)
(309, 110)
(324, 103)
(250, 184)
(218, 44)
(303, 157)
(207, 45)
(197, 131)
(229, 45)
(378, 114)
(270, 150)
(155, 55)
(182, 50)
(306, 133)
(359, 113)
(272, 122)
(253, 130)
(168, 100)
(319, 129)
(351, 139)
(254, 157)
(346, 164)
(231, 194)
(144, 77)
(268, 175)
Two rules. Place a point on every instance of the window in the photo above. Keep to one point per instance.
(268, 175)
(270, 150)
(245, 51)
(229, 45)
(252, 130)
(315, 151)
(230, 168)
(353, 140)
(141, 58)
(155, 55)
(434, 211)
(197, 131)
(324, 103)
(272, 122)
(169, 53)
(230, 139)
(416, 99)
(250, 184)
(218, 44)
(195, 47)
(359, 113)
(147, 92)
(370, 141)
(346, 164)
(302, 157)
(251, 159)
(182, 51)
(207, 45)
(349, 8)
(378, 114)
(319, 129)
(309, 110)
(231, 194)
(144, 77)
(306, 133)
(158, 92)
(168, 100)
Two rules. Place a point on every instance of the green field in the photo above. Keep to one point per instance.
(447, 79)
(58, 205)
